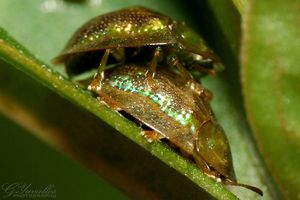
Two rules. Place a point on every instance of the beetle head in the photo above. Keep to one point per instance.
(212, 153)
(212, 148)
(195, 51)
(189, 40)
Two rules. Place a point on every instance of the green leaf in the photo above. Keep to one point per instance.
(29, 107)
(241, 5)
(77, 124)
(270, 76)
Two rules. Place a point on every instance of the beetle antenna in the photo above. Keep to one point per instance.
(250, 187)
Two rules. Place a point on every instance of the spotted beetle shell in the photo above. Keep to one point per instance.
(133, 27)
(165, 105)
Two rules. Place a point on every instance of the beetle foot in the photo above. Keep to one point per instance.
(151, 83)
(96, 84)
(200, 90)
(152, 136)
(110, 103)
(150, 74)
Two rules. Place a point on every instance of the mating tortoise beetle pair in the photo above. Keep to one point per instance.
(173, 105)
(136, 34)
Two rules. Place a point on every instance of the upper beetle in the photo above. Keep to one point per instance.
(132, 34)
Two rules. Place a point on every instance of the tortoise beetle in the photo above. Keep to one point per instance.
(171, 111)
(173, 105)
(136, 34)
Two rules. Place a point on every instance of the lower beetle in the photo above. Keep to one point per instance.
(172, 111)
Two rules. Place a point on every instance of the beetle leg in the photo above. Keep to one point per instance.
(97, 82)
(110, 103)
(153, 64)
(102, 65)
(187, 77)
(173, 61)
(119, 54)
(189, 80)
(152, 136)
(206, 70)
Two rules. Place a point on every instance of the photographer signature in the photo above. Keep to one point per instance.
(25, 190)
